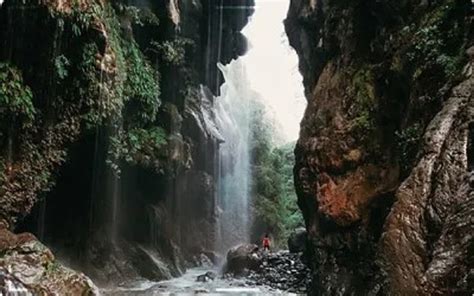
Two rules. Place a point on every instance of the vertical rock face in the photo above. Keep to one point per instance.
(90, 90)
(382, 162)
(428, 239)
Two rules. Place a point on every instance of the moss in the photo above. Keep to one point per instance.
(119, 75)
(363, 91)
(77, 16)
(138, 16)
(105, 72)
(62, 64)
(100, 78)
(139, 147)
(173, 52)
(436, 41)
(53, 267)
(141, 87)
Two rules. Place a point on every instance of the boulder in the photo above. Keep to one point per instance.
(208, 276)
(26, 263)
(297, 240)
(241, 258)
(10, 284)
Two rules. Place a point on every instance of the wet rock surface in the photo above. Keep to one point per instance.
(189, 285)
(297, 240)
(280, 270)
(433, 206)
(169, 209)
(206, 277)
(383, 157)
(283, 271)
(242, 258)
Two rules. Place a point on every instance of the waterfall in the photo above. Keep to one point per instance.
(233, 120)
(267, 75)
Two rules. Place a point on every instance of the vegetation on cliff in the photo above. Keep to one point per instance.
(95, 77)
(106, 114)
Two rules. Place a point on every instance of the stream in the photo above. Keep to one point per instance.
(187, 285)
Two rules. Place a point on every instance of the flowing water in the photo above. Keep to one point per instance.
(267, 75)
(187, 285)
(233, 121)
(233, 111)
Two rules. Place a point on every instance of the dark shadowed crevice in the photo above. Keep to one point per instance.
(470, 147)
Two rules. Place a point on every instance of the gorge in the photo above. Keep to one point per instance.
(141, 139)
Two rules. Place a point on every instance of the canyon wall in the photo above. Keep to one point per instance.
(108, 143)
(384, 158)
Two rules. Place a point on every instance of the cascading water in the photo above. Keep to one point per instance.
(233, 120)
(266, 75)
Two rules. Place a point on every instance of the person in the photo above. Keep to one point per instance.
(266, 243)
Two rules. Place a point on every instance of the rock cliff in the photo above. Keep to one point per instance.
(107, 140)
(384, 154)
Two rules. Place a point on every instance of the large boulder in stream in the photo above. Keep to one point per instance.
(297, 240)
(27, 265)
(242, 258)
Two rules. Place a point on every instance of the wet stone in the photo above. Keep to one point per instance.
(208, 276)
(281, 270)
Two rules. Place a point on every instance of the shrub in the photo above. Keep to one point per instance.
(16, 99)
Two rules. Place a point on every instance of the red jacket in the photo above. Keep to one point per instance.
(266, 242)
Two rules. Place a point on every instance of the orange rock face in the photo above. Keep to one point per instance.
(346, 199)
(334, 203)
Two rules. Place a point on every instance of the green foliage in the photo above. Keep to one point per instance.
(138, 146)
(80, 17)
(366, 104)
(408, 142)
(104, 81)
(141, 85)
(122, 87)
(173, 52)
(100, 84)
(61, 63)
(101, 94)
(16, 99)
(276, 198)
(138, 16)
(437, 41)
(273, 187)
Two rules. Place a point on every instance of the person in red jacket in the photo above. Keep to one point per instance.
(266, 243)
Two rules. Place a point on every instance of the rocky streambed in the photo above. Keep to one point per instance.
(282, 270)
(248, 271)
(188, 284)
